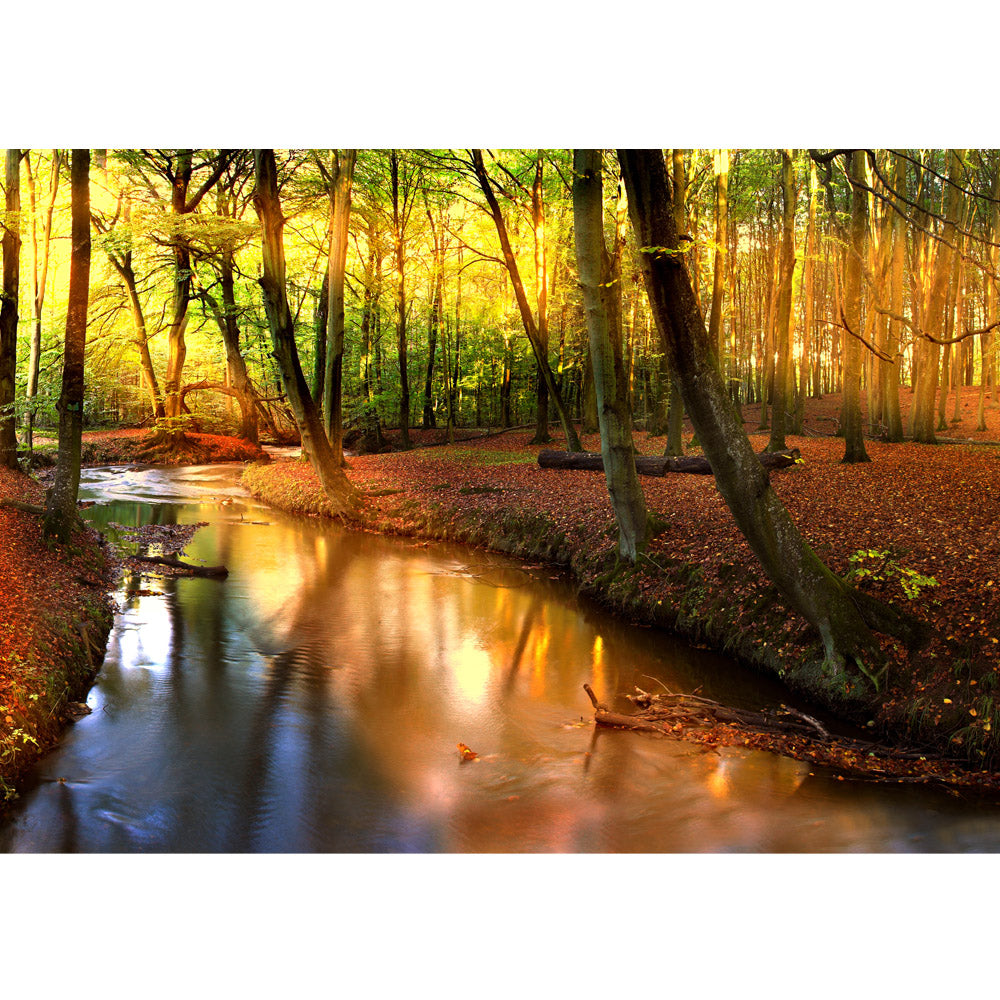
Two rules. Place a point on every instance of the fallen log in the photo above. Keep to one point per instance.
(654, 465)
(790, 733)
(187, 568)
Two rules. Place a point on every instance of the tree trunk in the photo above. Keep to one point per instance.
(338, 489)
(340, 217)
(783, 314)
(39, 280)
(398, 224)
(601, 296)
(850, 418)
(9, 309)
(843, 617)
(530, 328)
(60, 508)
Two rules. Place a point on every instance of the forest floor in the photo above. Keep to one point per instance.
(54, 620)
(916, 526)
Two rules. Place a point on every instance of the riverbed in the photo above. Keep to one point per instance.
(313, 701)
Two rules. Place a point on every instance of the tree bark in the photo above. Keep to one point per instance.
(337, 487)
(60, 510)
(39, 280)
(783, 313)
(527, 318)
(9, 308)
(850, 418)
(342, 178)
(602, 303)
(398, 226)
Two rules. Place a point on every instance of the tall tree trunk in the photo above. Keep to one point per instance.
(236, 366)
(987, 342)
(842, 617)
(542, 435)
(783, 315)
(808, 292)
(60, 509)
(342, 178)
(398, 224)
(337, 487)
(715, 329)
(601, 284)
(934, 310)
(320, 324)
(9, 308)
(527, 318)
(850, 418)
(893, 415)
(40, 271)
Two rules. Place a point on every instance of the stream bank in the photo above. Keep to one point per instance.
(700, 579)
(54, 622)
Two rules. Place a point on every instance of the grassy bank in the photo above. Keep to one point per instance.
(54, 621)
(915, 526)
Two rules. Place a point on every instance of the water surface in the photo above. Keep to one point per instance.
(312, 702)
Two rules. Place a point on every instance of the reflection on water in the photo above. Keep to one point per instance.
(313, 702)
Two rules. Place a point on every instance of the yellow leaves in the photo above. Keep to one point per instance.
(972, 711)
(947, 701)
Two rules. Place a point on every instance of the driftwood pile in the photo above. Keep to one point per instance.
(670, 713)
(788, 732)
(655, 465)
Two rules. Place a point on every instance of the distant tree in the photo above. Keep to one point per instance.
(850, 419)
(531, 326)
(783, 314)
(60, 508)
(39, 274)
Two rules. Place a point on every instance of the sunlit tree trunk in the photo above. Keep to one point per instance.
(398, 225)
(40, 271)
(527, 318)
(601, 284)
(9, 308)
(808, 292)
(933, 314)
(850, 418)
(893, 415)
(434, 325)
(842, 617)
(783, 314)
(715, 327)
(315, 445)
(542, 435)
(236, 366)
(340, 182)
(60, 509)
(987, 341)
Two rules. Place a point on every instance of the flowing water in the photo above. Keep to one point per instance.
(313, 701)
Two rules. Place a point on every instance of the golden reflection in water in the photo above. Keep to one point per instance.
(598, 679)
(472, 668)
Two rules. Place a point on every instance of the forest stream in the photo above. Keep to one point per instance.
(313, 701)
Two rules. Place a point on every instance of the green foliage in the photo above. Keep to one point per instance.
(12, 742)
(883, 566)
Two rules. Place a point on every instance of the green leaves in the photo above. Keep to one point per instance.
(881, 565)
